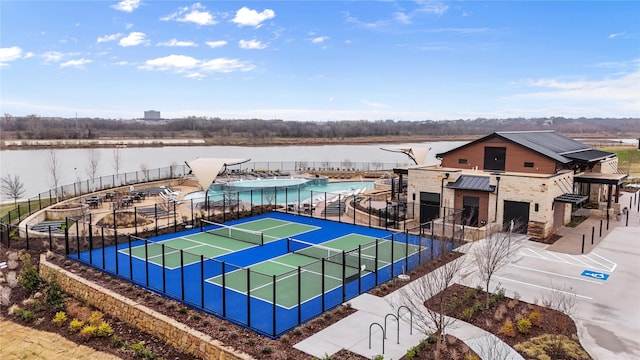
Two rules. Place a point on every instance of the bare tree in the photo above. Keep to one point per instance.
(562, 299)
(55, 171)
(117, 160)
(432, 318)
(93, 165)
(12, 187)
(491, 347)
(491, 254)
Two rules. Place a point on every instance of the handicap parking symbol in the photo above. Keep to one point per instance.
(595, 275)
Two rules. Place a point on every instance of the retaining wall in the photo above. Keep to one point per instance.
(174, 333)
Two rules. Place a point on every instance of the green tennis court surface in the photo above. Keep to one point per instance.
(300, 273)
(210, 244)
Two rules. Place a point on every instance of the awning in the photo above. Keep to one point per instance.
(207, 169)
(472, 182)
(600, 178)
(571, 198)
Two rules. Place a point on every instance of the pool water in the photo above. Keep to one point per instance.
(270, 194)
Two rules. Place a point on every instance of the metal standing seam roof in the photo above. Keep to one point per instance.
(548, 143)
(472, 182)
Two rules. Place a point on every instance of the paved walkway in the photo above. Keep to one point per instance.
(352, 332)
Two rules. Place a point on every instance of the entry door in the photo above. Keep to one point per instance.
(470, 205)
(518, 212)
(429, 206)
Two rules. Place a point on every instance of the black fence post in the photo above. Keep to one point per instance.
(135, 220)
(102, 240)
(130, 258)
(322, 282)
(224, 292)
(78, 238)
(182, 275)
(248, 298)
(175, 218)
(600, 228)
(146, 262)
(26, 232)
(275, 305)
(115, 237)
(39, 202)
(155, 216)
(164, 276)
(583, 243)
(50, 239)
(593, 230)
(393, 245)
(90, 243)
(202, 281)
(299, 294)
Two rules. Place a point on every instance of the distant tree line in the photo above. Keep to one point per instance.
(38, 127)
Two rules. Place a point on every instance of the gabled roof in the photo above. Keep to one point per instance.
(547, 143)
(472, 182)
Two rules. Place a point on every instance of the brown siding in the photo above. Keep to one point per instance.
(483, 209)
(515, 159)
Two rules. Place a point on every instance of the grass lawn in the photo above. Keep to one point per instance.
(628, 159)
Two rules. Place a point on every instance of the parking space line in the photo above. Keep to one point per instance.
(557, 274)
(544, 287)
(578, 260)
(537, 255)
(613, 267)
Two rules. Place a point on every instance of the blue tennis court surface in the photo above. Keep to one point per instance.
(268, 273)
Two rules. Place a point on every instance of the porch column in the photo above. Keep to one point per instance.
(609, 189)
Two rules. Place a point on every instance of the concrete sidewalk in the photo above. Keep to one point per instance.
(352, 333)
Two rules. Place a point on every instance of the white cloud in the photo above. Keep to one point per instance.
(373, 104)
(79, 63)
(225, 65)
(111, 37)
(432, 7)
(9, 54)
(133, 39)
(127, 5)
(251, 44)
(176, 42)
(192, 14)
(402, 18)
(216, 44)
(613, 36)
(248, 17)
(195, 68)
(319, 39)
(53, 56)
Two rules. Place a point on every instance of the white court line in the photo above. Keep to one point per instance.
(607, 260)
(543, 287)
(557, 274)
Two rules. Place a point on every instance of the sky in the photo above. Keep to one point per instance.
(320, 60)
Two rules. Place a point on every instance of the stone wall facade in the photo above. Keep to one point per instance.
(174, 333)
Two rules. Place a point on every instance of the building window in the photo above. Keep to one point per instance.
(495, 158)
(528, 164)
(462, 161)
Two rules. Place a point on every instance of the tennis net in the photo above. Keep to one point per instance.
(351, 258)
(232, 232)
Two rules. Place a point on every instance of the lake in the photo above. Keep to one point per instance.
(32, 165)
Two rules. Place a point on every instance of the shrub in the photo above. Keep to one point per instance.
(25, 315)
(267, 350)
(60, 318)
(535, 318)
(116, 341)
(411, 353)
(104, 329)
(88, 331)
(471, 356)
(524, 325)
(507, 328)
(28, 277)
(478, 306)
(53, 296)
(512, 304)
(467, 313)
(75, 325)
(95, 318)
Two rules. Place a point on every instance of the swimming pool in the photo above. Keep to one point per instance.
(305, 191)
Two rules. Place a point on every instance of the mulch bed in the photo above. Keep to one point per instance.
(461, 298)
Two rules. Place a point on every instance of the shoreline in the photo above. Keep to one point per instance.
(20, 144)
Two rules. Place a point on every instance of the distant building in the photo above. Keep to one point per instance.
(152, 115)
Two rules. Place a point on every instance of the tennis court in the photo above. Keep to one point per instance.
(269, 273)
